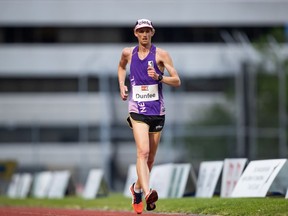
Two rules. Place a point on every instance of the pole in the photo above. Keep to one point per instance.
(282, 95)
(105, 129)
(282, 111)
(240, 129)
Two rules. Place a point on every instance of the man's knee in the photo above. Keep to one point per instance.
(143, 154)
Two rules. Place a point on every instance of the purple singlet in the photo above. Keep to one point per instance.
(146, 95)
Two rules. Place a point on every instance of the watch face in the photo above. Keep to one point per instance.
(160, 77)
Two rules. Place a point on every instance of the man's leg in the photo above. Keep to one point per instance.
(154, 139)
(141, 136)
(152, 196)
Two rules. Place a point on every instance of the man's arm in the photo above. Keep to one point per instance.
(122, 73)
(173, 79)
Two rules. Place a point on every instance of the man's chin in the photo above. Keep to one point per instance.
(145, 42)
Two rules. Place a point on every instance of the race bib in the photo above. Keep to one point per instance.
(145, 92)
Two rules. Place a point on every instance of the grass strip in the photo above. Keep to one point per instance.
(276, 206)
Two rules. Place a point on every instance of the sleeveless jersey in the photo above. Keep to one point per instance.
(146, 96)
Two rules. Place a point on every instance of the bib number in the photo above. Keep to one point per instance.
(145, 92)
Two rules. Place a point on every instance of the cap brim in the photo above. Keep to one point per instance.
(143, 26)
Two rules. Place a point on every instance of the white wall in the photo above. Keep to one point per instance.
(75, 60)
(47, 109)
(52, 154)
(190, 60)
(71, 155)
(95, 108)
(126, 12)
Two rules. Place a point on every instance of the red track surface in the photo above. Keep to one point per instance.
(21, 211)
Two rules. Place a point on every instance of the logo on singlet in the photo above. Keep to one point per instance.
(142, 107)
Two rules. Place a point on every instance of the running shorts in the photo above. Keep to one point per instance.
(155, 123)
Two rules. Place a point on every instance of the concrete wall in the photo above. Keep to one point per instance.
(126, 12)
(76, 60)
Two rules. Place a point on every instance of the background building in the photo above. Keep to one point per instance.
(59, 99)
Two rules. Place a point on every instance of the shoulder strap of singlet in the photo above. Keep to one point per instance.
(153, 49)
(135, 50)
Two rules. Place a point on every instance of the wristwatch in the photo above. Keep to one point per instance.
(160, 77)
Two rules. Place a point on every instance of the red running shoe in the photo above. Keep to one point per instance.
(151, 198)
(137, 203)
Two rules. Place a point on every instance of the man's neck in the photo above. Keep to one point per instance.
(144, 48)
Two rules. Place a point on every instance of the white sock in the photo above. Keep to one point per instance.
(137, 190)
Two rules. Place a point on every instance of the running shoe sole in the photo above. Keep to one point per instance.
(151, 198)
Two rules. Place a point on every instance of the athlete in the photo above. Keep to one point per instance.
(146, 106)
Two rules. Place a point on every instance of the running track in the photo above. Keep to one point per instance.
(24, 211)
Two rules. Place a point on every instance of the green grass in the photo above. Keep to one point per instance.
(276, 206)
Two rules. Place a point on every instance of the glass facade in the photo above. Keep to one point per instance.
(90, 34)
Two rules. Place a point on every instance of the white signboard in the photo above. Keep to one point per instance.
(95, 184)
(280, 183)
(257, 178)
(24, 185)
(42, 184)
(161, 179)
(12, 191)
(20, 185)
(209, 174)
(131, 178)
(59, 184)
(286, 194)
(232, 171)
(183, 180)
(169, 180)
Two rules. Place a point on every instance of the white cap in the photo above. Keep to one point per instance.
(141, 23)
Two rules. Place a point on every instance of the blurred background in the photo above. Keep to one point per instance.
(59, 99)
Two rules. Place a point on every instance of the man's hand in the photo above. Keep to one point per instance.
(123, 92)
(152, 73)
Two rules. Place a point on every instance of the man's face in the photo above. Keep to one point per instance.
(144, 35)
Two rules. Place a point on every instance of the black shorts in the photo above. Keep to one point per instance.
(155, 123)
